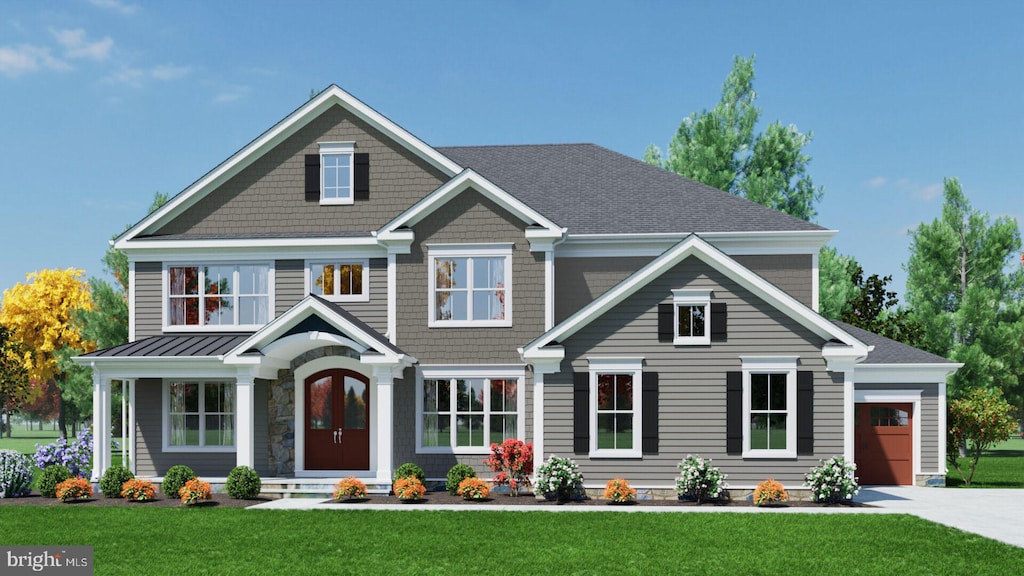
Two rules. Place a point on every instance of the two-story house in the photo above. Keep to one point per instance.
(339, 297)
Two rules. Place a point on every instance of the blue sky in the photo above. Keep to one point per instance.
(105, 102)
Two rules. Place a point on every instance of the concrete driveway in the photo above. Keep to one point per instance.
(993, 513)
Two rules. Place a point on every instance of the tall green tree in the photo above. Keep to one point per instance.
(14, 383)
(964, 286)
(876, 309)
(835, 284)
(720, 148)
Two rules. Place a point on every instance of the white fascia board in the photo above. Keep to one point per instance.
(255, 249)
(731, 243)
(275, 135)
(697, 247)
(904, 373)
(128, 368)
(464, 180)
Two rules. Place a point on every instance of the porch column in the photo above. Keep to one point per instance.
(245, 412)
(538, 419)
(384, 380)
(100, 424)
(124, 423)
(131, 426)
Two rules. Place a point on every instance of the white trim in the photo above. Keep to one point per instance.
(392, 333)
(320, 103)
(731, 243)
(691, 298)
(470, 252)
(307, 275)
(942, 426)
(620, 365)
(124, 422)
(165, 302)
(696, 247)
(815, 283)
(454, 372)
(338, 149)
(245, 425)
(132, 424)
(132, 315)
(904, 373)
(165, 416)
(912, 397)
(549, 289)
(771, 365)
(255, 249)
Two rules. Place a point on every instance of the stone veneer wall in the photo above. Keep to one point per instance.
(281, 408)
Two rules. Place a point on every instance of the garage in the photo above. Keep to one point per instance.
(884, 443)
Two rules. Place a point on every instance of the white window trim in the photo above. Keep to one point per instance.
(166, 417)
(771, 365)
(468, 251)
(165, 300)
(455, 372)
(338, 148)
(690, 297)
(617, 365)
(365, 262)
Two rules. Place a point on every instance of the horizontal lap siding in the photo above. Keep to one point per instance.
(290, 284)
(931, 459)
(148, 305)
(692, 382)
(291, 288)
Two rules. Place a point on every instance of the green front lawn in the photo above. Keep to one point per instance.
(25, 441)
(352, 541)
(1000, 467)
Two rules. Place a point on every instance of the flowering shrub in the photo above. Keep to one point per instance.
(76, 455)
(833, 481)
(513, 462)
(349, 488)
(138, 490)
(193, 491)
(15, 474)
(409, 488)
(76, 488)
(474, 489)
(456, 474)
(977, 421)
(769, 492)
(700, 480)
(619, 490)
(559, 477)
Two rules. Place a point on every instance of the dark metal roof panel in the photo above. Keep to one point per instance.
(196, 346)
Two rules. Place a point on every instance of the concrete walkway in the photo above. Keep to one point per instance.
(996, 514)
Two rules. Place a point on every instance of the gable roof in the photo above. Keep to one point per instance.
(592, 190)
(694, 246)
(888, 351)
(330, 96)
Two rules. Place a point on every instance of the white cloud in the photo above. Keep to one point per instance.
(230, 93)
(929, 192)
(115, 5)
(878, 182)
(76, 46)
(16, 60)
(168, 72)
(137, 77)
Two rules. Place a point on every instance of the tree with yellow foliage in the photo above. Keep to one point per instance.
(40, 313)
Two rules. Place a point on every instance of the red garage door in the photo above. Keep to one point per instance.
(884, 448)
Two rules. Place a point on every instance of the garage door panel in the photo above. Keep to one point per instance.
(884, 443)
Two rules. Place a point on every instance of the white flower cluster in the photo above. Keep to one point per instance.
(699, 479)
(834, 481)
(15, 474)
(559, 476)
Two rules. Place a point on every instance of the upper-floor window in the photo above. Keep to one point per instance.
(692, 316)
(336, 172)
(217, 295)
(339, 280)
(470, 285)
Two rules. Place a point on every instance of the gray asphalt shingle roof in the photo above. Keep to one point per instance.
(593, 190)
(888, 351)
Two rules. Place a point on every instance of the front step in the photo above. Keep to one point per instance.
(310, 488)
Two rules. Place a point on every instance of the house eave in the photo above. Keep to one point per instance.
(731, 243)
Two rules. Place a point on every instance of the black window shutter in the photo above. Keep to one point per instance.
(734, 412)
(719, 316)
(666, 317)
(649, 402)
(312, 177)
(361, 177)
(805, 412)
(581, 413)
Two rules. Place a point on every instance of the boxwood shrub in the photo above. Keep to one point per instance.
(51, 476)
(113, 480)
(457, 474)
(409, 469)
(175, 479)
(243, 483)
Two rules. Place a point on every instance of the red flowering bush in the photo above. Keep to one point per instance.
(978, 420)
(409, 488)
(193, 491)
(513, 462)
(349, 488)
(138, 490)
(618, 490)
(76, 488)
(769, 492)
(474, 489)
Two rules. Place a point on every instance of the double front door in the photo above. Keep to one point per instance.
(337, 421)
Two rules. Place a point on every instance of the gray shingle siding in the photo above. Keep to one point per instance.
(692, 392)
(274, 186)
(148, 306)
(289, 284)
(579, 281)
(291, 288)
(931, 460)
(469, 218)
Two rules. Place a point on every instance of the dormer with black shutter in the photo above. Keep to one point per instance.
(338, 174)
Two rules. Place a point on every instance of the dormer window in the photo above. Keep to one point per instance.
(336, 172)
(692, 317)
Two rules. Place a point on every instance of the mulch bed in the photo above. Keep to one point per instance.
(527, 499)
(217, 501)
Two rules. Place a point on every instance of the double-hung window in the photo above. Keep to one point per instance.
(692, 317)
(769, 407)
(615, 407)
(465, 413)
(200, 415)
(470, 285)
(336, 172)
(339, 280)
(217, 295)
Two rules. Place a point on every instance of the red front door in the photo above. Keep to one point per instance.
(337, 422)
(884, 448)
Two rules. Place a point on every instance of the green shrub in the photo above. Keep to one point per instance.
(410, 469)
(113, 480)
(243, 483)
(175, 479)
(15, 474)
(51, 476)
(457, 474)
